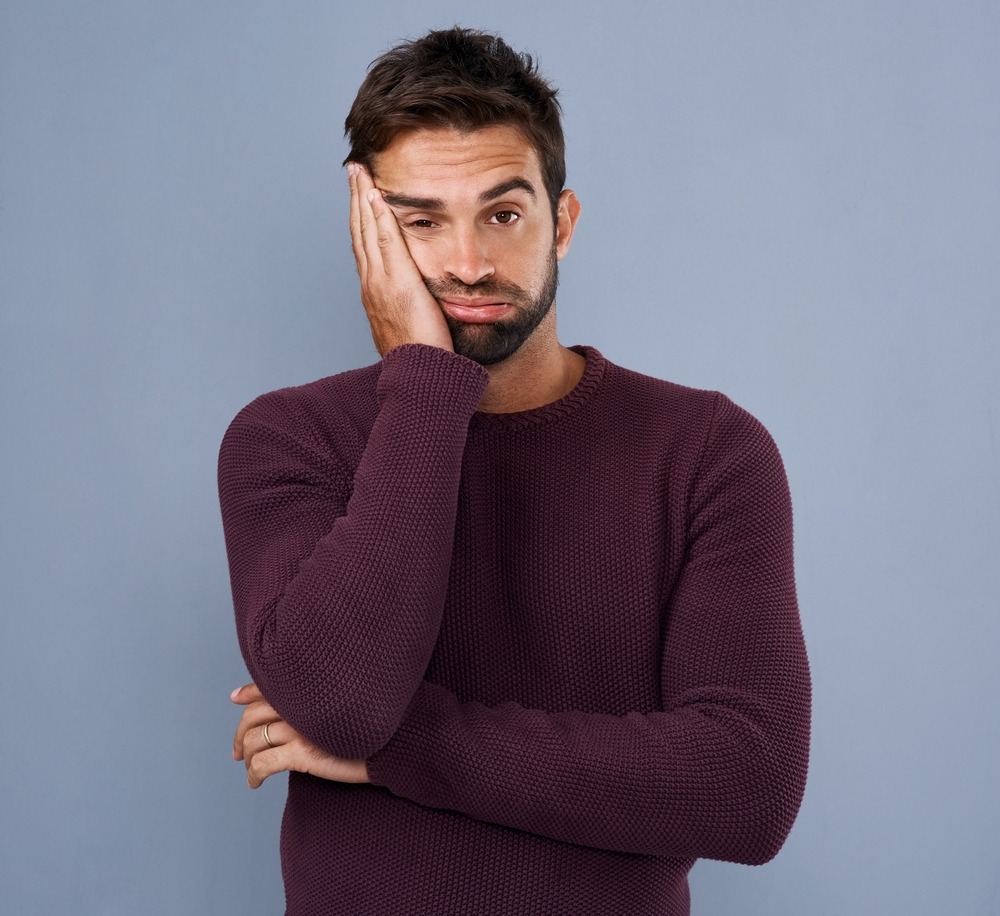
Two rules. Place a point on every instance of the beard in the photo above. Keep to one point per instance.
(492, 343)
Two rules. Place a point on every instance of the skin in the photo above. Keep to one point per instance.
(288, 749)
(466, 214)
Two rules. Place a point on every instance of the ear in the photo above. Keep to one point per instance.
(567, 214)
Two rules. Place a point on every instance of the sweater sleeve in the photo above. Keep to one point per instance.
(720, 770)
(339, 580)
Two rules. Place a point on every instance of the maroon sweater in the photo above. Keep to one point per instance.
(566, 640)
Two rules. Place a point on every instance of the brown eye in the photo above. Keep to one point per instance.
(505, 217)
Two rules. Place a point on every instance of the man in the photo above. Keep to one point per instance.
(521, 623)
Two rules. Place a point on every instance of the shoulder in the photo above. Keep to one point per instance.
(706, 425)
(659, 394)
(346, 394)
(641, 405)
(326, 417)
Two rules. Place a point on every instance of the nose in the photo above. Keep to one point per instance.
(468, 258)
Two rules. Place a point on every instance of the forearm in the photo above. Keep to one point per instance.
(719, 777)
(337, 599)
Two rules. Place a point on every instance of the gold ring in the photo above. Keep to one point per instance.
(270, 743)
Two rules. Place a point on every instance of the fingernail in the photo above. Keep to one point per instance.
(232, 696)
(372, 194)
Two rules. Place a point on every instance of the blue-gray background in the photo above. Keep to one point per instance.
(797, 203)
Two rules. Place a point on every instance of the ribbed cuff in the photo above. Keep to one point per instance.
(429, 374)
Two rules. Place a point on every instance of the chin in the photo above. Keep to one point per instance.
(489, 344)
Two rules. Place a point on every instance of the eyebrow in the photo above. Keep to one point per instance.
(506, 187)
(436, 204)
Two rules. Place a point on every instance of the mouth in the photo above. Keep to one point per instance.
(475, 311)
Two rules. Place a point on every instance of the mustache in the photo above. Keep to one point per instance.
(442, 289)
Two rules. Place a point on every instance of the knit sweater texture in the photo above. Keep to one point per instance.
(566, 640)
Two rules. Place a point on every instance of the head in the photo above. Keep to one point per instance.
(463, 138)
(461, 79)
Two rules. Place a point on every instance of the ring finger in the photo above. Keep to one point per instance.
(263, 738)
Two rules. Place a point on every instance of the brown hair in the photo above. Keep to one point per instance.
(463, 79)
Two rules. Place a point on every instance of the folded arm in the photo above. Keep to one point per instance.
(719, 771)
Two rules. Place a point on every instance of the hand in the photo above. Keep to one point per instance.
(287, 750)
(400, 309)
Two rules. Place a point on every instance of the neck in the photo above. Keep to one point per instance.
(540, 372)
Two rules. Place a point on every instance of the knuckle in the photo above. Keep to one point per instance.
(258, 765)
(251, 713)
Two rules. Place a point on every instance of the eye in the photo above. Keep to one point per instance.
(505, 217)
(421, 224)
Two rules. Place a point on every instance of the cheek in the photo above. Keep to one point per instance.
(527, 257)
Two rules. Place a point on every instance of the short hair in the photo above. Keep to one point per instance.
(463, 79)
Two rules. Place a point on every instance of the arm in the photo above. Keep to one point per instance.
(339, 578)
(720, 771)
(338, 600)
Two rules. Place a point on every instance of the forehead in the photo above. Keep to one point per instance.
(446, 163)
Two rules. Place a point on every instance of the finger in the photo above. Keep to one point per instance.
(265, 763)
(368, 225)
(296, 754)
(248, 693)
(244, 696)
(382, 238)
(256, 714)
(279, 733)
(357, 244)
(265, 757)
(387, 234)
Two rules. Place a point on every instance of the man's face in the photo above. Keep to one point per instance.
(478, 224)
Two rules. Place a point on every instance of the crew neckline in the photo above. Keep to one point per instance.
(593, 372)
